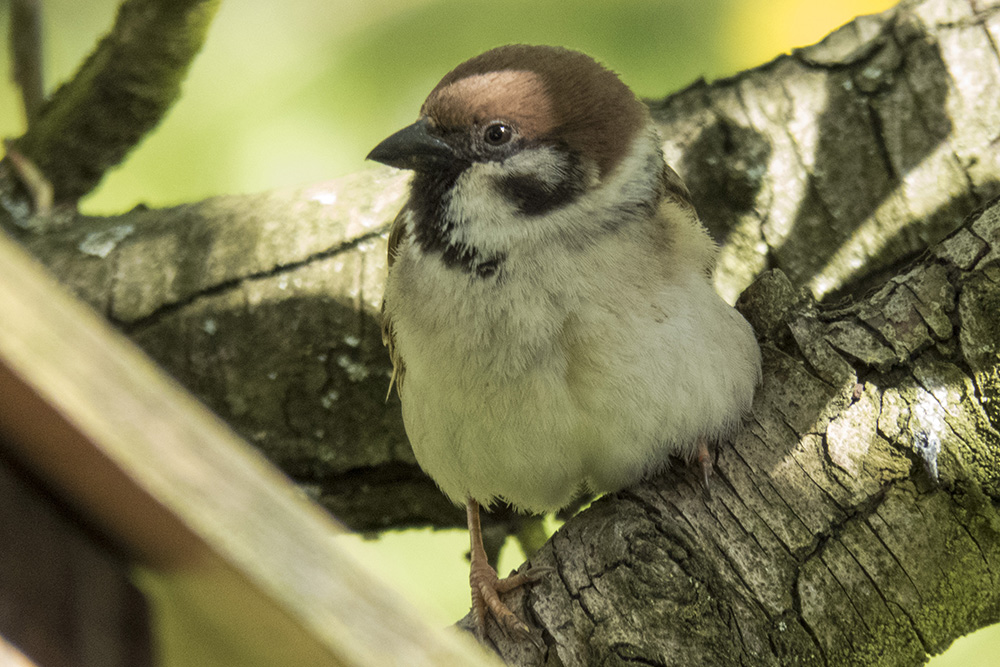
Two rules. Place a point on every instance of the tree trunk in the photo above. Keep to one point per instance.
(854, 521)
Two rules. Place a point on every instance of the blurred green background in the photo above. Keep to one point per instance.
(296, 92)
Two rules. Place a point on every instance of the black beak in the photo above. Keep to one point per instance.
(413, 147)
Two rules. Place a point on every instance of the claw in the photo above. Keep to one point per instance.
(529, 576)
(705, 460)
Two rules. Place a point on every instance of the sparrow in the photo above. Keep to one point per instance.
(549, 308)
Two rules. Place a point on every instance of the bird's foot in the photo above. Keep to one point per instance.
(487, 588)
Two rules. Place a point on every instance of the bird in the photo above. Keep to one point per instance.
(548, 308)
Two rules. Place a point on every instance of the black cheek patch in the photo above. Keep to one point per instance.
(535, 196)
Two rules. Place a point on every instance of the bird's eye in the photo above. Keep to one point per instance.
(498, 134)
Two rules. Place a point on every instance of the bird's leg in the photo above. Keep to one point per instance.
(487, 587)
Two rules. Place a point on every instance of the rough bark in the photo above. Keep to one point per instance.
(121, 92)
(855, 519)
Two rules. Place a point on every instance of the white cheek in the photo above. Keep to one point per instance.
(489, 220)
(545, 164)
(493, 224)
(485, 218)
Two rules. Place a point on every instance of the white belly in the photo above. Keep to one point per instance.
(532, 411)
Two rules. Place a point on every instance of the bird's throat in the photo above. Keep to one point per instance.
(436, 232)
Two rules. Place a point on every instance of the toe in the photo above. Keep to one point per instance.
(518, 579)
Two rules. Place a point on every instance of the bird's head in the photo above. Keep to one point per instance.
(519, 134)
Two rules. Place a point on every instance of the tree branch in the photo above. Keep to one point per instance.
(26, 54)
(120, 92)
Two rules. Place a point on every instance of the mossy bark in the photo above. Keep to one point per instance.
(121, 92)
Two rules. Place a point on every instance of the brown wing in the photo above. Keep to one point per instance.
(675, 189)
(398, 367)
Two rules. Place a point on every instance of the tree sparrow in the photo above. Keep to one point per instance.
(549, 308)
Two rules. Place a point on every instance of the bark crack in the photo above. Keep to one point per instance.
(859, 319)
(987, 245)
(777, 494)
(917, 632)
(859, 512)
(763, 213)
(623, 653)
(136, 326)
(919, 306)
(574, 593)
(871, 580)
(989, 36)
(800, 618)
(880, 144)
(978, 19)
(979, 548)
(847, 594)
(736, 572)
(749, 530)
(792, 512)
(822, 489)
(829, 218)
(963, 167)
(831, 464)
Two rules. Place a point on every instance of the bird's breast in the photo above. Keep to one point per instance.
(554, 375)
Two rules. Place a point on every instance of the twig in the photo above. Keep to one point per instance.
(26, 54)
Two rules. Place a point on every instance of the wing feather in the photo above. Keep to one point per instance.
(398, 367)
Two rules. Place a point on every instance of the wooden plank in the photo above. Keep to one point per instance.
(221, 531)
(11, 657)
